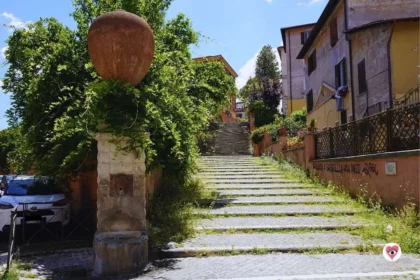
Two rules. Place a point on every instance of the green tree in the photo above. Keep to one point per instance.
(267, 65)
(9, 140)
(59, 99)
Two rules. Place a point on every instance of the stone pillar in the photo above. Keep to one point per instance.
(310, 151)
(120, 242)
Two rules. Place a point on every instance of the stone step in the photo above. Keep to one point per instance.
(222, 169)
(278, 266)
(271, 242)
(285, 210)
(259, 186)
(277, 200)
(268, 192)
(240, 176)
(279, 223)
(248, 181)
(238, 173)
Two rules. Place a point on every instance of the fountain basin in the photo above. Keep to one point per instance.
(120, 252)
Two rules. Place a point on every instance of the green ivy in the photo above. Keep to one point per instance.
(58, 99)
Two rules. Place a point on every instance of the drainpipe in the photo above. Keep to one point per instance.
(391, 98)
(348, 37)
(290, 75)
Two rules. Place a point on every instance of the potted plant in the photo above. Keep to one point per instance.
(282, 131)
(311, 127)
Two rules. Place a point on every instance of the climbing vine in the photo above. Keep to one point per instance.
(58, 100)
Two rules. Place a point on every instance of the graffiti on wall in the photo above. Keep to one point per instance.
(355, 168)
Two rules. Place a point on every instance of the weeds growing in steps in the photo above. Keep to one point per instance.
(16, 271)
(171, 211)
(385, 224)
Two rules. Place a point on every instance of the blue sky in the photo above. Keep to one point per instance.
(237, 29)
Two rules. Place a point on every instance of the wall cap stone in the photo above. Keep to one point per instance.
(293, 149)
(373, 156)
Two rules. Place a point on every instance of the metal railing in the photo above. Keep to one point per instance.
(42, 230)
(392, 130)
(412, 96)
(12, 239)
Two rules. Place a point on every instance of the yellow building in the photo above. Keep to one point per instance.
(370, 51)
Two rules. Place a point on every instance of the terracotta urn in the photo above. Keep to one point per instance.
(121, 46)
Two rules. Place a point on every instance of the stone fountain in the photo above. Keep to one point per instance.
(121, 46)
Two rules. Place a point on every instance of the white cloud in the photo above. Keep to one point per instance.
(3, 52)
(269, 1)
(14, 22)
(248, 70)
(309, 2)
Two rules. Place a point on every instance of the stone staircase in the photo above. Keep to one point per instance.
(263, 226)
(259, 207)
(231, 139)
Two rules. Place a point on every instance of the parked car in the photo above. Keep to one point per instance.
(35, 201)
(4, 180)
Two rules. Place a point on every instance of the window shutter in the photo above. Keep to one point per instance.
(337, 76)
(362, 77)
(344, 82)
(302, 38)
(314, 59)
(333, 31)
(309, 101)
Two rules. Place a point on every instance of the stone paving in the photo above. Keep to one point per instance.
(280, 210)
(259, 192)
(278, 200)
(279, 222)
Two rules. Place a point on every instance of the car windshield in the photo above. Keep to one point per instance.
(19, 187)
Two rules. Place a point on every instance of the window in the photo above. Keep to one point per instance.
(361, 72)
(309, 101)
(333, 31)
(343, 117)
(312, 62)
(340, 74)
(304, 36)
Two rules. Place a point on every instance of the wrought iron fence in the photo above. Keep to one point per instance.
(12, 239)
(393, 130)
(37, 227)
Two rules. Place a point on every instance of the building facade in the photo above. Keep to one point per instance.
(293, 72)
(360, 58)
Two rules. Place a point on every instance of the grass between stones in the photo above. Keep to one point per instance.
(347, 229)
(366, 248)
(390, 225)
(17, 271)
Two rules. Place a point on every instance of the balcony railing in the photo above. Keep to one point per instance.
(392, 130)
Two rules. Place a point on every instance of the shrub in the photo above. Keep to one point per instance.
(258, 134)
(263, 114)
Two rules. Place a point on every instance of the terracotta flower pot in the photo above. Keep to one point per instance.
(121, 46)
(282, 131)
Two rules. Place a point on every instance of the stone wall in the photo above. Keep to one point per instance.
(297, 155)
(393, 177)
(370, 173)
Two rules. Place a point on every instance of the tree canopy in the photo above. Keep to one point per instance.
(58, 99)
(267, 65)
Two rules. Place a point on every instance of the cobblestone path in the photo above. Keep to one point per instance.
(263, 225)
